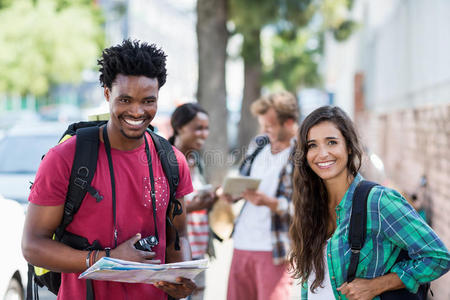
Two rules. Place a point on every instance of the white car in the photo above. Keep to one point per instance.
(13, 274)
(21, 150)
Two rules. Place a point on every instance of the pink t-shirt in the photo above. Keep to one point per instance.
(94, 220)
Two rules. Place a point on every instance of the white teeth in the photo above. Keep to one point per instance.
(134, 122)
(325, 164)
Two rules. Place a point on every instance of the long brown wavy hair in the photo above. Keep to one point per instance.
(309, 228)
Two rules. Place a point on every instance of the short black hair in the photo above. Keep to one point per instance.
(182, 115)
(133, 58)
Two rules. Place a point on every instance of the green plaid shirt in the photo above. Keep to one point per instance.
(392, 225)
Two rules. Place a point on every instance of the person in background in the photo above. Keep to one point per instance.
(190, 123)
(327, 163)
(261, 243)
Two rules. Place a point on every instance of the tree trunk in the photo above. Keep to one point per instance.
(251, 53)
(212, 38)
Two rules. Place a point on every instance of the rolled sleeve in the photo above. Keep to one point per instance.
(285, 190)
(283, 205)
(410, 282)
(403, 226)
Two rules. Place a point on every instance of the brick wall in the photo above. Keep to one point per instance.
(411, 143)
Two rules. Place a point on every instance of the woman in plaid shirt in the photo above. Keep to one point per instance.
(328, 159)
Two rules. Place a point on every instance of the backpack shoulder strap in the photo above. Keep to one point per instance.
(261, 142)
(83, 170)
(169, 164)
(358, 224)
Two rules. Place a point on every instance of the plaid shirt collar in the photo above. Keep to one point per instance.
(346, 202)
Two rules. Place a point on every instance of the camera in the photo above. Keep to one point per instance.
(147, 243)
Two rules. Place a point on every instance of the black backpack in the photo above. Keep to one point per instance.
(82, 173)
(357, 237)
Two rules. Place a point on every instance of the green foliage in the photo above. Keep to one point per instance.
(334, 18)
(289, 61)
(294, 61)
(345, 30)
(61, 4)
(5, 3)
(47, 42)
(251, 16)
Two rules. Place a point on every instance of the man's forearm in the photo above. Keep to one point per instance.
(55, 256)
(271, 202)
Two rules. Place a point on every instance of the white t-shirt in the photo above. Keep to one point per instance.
(325, 292)
(253, 229)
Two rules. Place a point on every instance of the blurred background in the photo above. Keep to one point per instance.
(385, 62)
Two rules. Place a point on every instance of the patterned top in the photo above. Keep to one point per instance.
(392, 225)
(281, 219)
(197, 221)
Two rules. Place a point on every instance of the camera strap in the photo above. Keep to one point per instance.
(113, 183)
(152, 183)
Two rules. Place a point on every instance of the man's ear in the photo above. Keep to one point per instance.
(107, 93)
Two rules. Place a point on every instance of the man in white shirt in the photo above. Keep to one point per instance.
(261, 243)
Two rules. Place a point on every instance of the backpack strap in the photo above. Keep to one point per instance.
(83, 170)
(169, 164)
(30, 282)
(358, 224)
(246, 166)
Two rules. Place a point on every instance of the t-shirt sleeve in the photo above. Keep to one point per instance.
(185, 185)
(52, 178)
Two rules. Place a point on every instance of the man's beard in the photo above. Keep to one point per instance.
(137, 137)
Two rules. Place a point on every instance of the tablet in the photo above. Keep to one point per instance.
(236, 185)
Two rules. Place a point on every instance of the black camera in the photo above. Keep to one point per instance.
(147, 243)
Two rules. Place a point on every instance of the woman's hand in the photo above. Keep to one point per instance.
(359, 289)
(362, 289)
(204, 200)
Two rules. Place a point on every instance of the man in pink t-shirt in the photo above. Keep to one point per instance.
(131, 74)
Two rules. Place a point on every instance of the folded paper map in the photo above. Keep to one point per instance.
(236, 185)
(113, 269)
